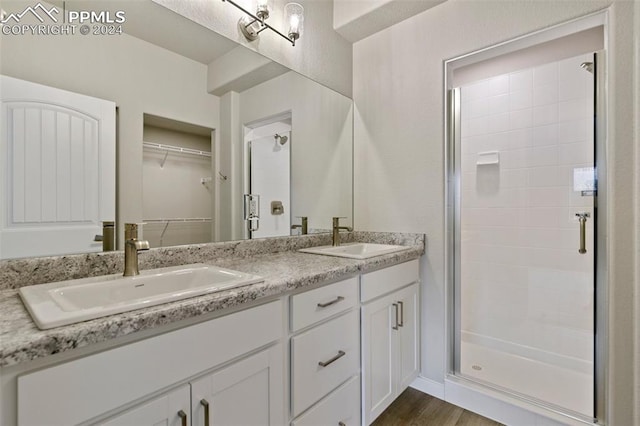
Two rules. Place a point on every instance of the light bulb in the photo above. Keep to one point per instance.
(294, 16)
(262, 9)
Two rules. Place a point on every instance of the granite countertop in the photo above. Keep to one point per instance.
(22, 341)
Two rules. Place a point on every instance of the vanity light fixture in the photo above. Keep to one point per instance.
(252, 25)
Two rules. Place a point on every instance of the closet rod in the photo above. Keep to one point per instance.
(179, 219)
(171, 148)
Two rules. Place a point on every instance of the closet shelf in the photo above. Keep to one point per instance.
(179, 219)
(171, 148)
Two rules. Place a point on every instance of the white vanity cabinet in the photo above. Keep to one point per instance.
(125, 385)
(325, 355)
(390, 335)
(169, 409)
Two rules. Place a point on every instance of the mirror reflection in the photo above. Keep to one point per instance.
(167, 124)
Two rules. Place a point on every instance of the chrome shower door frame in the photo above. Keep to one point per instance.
(452, 195)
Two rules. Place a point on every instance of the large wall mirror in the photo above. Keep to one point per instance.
(210, 140)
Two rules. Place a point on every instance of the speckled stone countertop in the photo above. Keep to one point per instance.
(283, 269)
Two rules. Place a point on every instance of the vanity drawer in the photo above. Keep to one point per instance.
(377, 283)
(315, 305)
(336, 345)
(342, 406)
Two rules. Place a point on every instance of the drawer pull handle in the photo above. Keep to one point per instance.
(401, 314)
(183, 417)
(395, 327)
(333, 302)
(332, 360)
(205, 404)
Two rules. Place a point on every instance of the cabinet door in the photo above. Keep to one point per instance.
(170, 409)
(379, 356)
(248, 392)
(409, 360)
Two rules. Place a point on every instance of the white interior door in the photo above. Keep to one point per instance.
(58, 170)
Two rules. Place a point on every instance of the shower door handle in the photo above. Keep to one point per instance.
(582, 219)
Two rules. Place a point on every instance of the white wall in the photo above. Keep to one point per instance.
(321, 53)
(399, 140)
(321, 149)
(139, 77)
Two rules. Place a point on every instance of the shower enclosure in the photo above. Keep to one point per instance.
(524, 221)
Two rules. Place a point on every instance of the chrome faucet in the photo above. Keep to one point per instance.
(335, 240)
(132, 245)
(304, 226)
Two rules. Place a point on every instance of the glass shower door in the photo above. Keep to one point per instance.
(525, 233)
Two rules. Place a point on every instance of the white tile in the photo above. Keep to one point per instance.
(547, 197)
(514, 159)
(573, 81)
(545, 135)
(514, 178)
(499, 85)
(520, 100)
(544, 176)
(474, 144)
(520, 119)
(521, 80)
(474, 91)
(547, 114)
(477, 126)
(543, 156)
(543, 217)
(519, 139)
(575, 130)
(575, 153)
(544, 95)
(477, 108)
(498, 123)
(498, 104)
(545, 75)
(573, 110)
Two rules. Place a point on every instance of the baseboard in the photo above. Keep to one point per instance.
(428, 386)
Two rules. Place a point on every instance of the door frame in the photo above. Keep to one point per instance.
(461, 386)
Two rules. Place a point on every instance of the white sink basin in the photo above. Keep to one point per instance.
(67, 302)
(355, 250)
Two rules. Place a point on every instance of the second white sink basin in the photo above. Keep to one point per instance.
(355, 250)
(61, 303)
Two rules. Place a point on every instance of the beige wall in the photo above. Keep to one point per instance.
(399, 155)
(139, 77)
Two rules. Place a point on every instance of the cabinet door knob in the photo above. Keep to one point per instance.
(401, 304)
(205, 404)
(332, 360)
(333, 302)
(183, 417)
(395, 327)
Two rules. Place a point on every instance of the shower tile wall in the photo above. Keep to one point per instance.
(524, 287)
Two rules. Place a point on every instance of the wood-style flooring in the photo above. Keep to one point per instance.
(416, 408)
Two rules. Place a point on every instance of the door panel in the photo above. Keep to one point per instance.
(58, 180)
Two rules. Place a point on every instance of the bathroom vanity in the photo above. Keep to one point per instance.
(323, 340)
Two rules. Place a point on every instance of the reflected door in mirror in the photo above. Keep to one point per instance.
(57, 184)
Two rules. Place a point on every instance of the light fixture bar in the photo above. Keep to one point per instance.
(262, 22)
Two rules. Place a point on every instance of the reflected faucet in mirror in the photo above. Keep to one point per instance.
(132, 246)
(304, 225)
